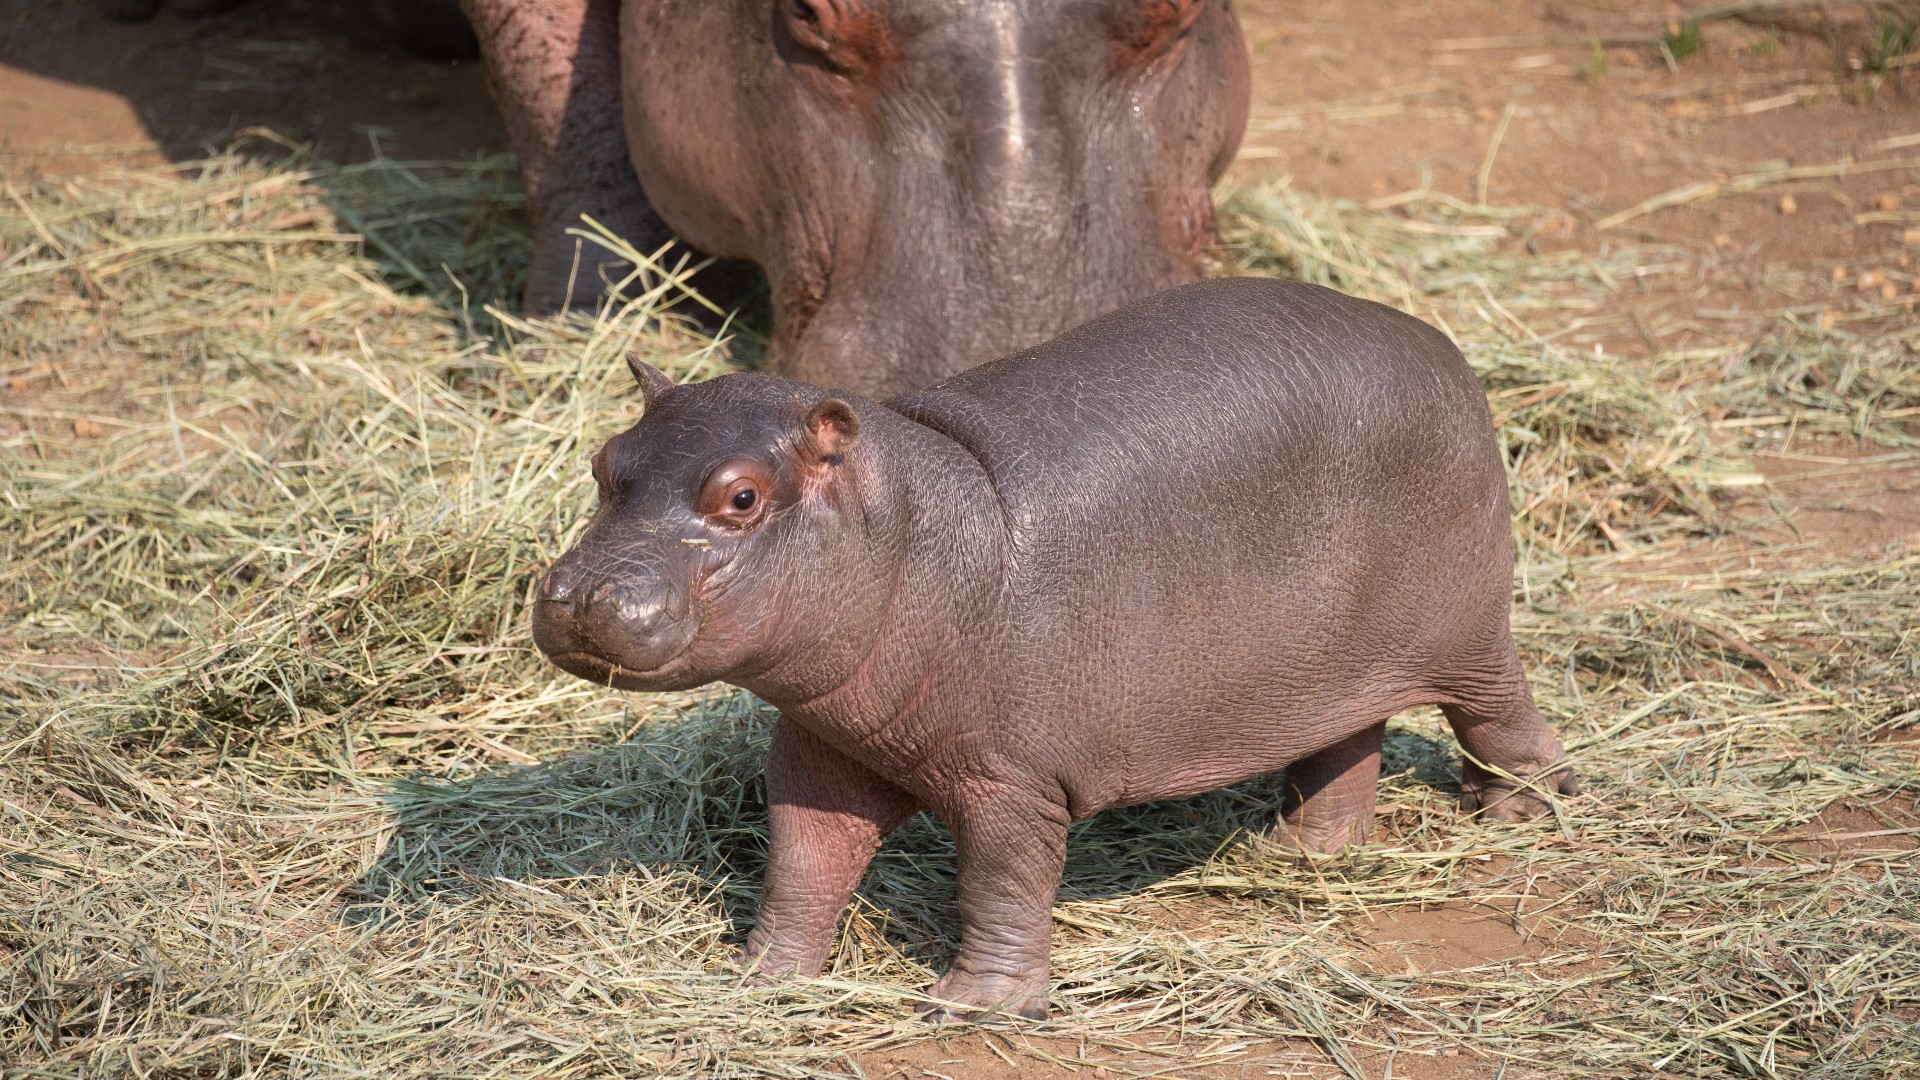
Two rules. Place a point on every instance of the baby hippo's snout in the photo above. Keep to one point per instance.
(615, 630)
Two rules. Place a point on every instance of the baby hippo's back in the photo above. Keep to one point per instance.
(1244, 517)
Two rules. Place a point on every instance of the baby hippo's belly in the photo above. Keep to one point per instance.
(1214, 741)
(1170, 692)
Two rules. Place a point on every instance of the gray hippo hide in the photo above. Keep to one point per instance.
(1227, 530)
(927, 184)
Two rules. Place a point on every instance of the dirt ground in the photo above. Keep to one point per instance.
(1584, 109)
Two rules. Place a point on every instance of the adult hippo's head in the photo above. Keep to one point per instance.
(929, 184)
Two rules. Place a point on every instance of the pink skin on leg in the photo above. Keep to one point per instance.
(827, 815)
(1012, 846)
(1497, 723)
(1330, 795)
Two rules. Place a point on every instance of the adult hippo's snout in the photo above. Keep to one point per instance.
(626, 629)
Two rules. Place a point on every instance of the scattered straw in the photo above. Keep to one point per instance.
(1758, 181)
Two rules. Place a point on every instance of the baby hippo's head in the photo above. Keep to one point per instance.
(737, 538)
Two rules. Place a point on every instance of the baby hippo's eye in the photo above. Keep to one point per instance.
(735, 494)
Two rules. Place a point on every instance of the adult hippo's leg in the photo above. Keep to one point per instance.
(1513, 763)
(827, 815)
(1328, 804)
(555, 70)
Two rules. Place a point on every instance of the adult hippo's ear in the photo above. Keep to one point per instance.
(849, 35)
(830, 430)
(654, 384)
(1148, 28)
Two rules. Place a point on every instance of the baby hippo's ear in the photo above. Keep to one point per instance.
(831, 430)
(654, 385)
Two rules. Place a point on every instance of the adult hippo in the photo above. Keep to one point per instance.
(927, 184)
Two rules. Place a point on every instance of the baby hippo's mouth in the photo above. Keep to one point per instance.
(594, 668)
(628, 634)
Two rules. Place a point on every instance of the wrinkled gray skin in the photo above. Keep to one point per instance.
(927, 184)
(1226, 530)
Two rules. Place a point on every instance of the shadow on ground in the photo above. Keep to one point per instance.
(688, 799)
(410, 151)
(325, 73)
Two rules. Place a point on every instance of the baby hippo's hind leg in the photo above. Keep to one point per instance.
(1328, 804)
(1513, 764)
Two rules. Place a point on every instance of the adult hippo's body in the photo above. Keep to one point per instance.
(1226, 530)
(927, 184)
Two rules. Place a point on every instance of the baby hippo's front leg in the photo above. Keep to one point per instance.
(826, 816)
(1012, 845)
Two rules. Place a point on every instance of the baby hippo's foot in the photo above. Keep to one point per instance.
(1497, 798)
(763, 964)
(961, 997)
(751, 971)
(1329, 796)
(1316, 840)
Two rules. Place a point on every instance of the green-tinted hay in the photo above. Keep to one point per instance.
(324, 811)
(1829, 381)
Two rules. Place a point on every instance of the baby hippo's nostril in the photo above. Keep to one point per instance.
(609, 598)
(555, 588)
(639, 607)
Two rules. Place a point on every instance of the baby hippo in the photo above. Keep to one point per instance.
(1229, 529)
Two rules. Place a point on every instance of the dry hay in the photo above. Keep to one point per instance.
(287, 791)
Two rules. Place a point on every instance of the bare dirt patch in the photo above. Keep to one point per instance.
(1846, 497)
(77, 89)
